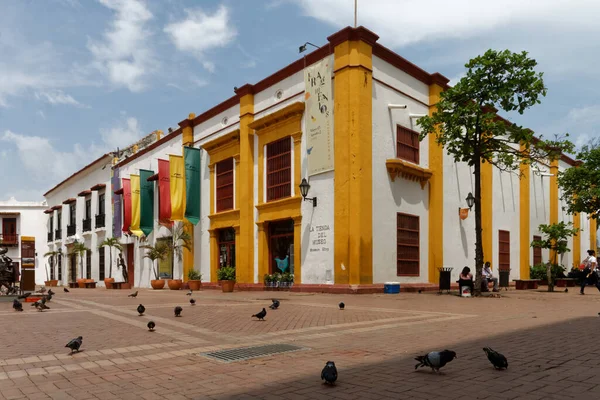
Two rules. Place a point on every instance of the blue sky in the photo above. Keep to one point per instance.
(81, 77)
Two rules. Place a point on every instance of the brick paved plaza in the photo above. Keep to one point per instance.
(550, 341)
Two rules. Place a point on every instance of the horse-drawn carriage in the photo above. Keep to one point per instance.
(9, 274)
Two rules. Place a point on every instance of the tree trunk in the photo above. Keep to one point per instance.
(549, 277)
(110, 261)
(478, 227)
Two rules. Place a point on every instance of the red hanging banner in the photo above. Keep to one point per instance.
(463, 212)
(126, 205)
(164, 193)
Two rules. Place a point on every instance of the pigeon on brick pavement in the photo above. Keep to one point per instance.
(261, 315)
(189, 293)
(342, 305)
(66, 290)
(435, 359)
(178, 311)
(498, 360)
(24, 296)
(133, 294)
(193, 302)
(17, 305)
(75, 344)
(50, 292)
(275, 304)
(141, 309)
(329, 373)
(151, 326)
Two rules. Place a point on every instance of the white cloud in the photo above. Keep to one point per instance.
(403, 22)
(124, 55)
(57, 97)
(198, 82)
(41, 114)
(201, 32)
(586, 115)
(123, 134)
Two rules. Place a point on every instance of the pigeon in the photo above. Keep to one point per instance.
(43, 306)
(329, 373)
(193, 302)
(133, 294)
(261, 315)
(49, 297)
(342, 306)
(37, 304)
(275, 304)
(151, 326)
(66, 290)
(178, 311)
(498, 360)
(50, 292)
(189, 293)
(24, 296)
(420, 291)
(435, 360)
(75, 344)
(141, 309)
(17, 305)
(566, 290)
(43, 289)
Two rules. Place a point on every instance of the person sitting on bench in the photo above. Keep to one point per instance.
(465, 279)
(487, 276)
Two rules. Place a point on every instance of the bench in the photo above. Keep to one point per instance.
(90, 285)
(524, 284)
(116, 285)
(73, 285)
(564, 282)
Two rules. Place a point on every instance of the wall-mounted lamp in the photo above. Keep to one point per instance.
(304, 188)
(470, 200)
(303, 47)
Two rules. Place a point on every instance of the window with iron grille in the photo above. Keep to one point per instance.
(537, 252)
(51, 224)
(72, 214)
(407, 241)
(279, 169)
(101, 204)
(407, 144)
(88, 208)
(101, 264)
(503, 250)
(88, 264)
(59, 268)
(224, 181)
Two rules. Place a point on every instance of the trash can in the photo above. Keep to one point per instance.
(504, 278)
(391, 287)
(445, 278)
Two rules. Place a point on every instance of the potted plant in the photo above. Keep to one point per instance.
(268, 279)
(226, 277)
(180, 239)
(277, 277)
(194, 279)
(53, 257)
(159, 251)
(111, 243)
(287, 280)
(79, 249)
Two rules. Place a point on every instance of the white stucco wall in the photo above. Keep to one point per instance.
(539, 190)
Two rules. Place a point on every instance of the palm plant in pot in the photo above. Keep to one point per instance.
(226, 277)
(194, 279)
(180, 240)
(159, 251)
(79, 249)
(111, 243)
(53, 258)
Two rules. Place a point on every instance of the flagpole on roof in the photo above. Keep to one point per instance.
(355, 12)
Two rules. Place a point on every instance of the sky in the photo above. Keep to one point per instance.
(79, 78)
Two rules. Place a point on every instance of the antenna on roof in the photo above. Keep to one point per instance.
(355, 12)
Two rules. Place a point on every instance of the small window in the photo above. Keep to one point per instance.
(407, 241)
(101, 264)
(72, 214)
(101, 204)
(537, 252)
(50, 224)
(503, 250)
(279, 169)
(88, 208)
(407, 144)
(88, 264)
(224, 182)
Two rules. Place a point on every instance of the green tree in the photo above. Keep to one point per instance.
(580, 186)
(159, 251)
(555, 239)
(79, 248)
(467, 126)
(111, 243)
(181, 239)
(53, 255)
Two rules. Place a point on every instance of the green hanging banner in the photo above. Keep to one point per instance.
(147, 202)
(191, 159)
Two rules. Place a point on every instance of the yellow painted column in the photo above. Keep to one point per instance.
(245, 247)
(577, 240)
(297, 250)
(524, 219)
(187, 139)
(214, 255)
(353, 175)
(263, 267)
(593, 228)
(487, 184)
(436, 194)
(553, 200)
(236, 199)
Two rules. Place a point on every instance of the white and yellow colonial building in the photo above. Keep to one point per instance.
(387, 206)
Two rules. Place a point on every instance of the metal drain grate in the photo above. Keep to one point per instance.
(246, 353)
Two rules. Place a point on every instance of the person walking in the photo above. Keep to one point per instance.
(590, 272)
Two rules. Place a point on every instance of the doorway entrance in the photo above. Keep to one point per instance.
(73, 271)
(227, 247)
(130, 264)
(281, 246)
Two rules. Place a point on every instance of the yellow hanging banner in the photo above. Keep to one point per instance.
(135, 206)
(177, 186)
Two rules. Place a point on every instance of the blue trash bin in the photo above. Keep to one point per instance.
(391, 287)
